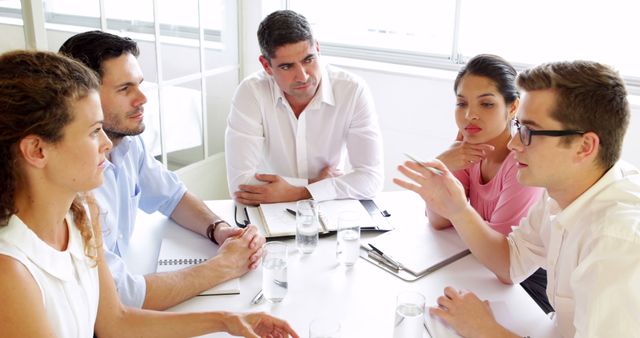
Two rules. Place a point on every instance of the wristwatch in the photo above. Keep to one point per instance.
(211, 230)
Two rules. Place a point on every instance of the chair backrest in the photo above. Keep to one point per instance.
(206, 179)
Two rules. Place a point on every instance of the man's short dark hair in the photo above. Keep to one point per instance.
(282, 28)
(94, 47)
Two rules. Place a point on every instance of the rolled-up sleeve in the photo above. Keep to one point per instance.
(131, 288)
(160, 189)
(527, 252)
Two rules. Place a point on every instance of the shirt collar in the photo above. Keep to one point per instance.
(324, 94)
(120, 151)
(620, 171)
(56, 263)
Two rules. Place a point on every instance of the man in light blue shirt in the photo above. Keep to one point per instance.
(134, 179)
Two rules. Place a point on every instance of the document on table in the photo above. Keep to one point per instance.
(279, 222)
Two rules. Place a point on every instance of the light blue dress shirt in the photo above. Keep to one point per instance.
(132, 179)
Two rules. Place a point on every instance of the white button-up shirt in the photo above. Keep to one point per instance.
(264, 136)
(591, 251)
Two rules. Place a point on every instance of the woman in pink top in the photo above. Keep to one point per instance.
(486, 101)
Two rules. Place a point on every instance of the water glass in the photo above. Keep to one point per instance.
(409, 321)
(274, 271)
(348, 239)
(307, 226)
(324, 327)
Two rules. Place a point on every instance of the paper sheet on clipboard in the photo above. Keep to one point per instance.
(420, 249)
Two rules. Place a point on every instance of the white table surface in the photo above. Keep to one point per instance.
(363, 297)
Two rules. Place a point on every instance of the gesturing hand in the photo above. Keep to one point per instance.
(443, 193)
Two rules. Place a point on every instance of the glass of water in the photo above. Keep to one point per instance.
(409, 315)
(324, 327)
(307, 226)
(274, 271)
(348, 242)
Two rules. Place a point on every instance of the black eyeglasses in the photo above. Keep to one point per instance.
(526, 133)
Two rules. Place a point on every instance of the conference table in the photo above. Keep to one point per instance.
(362, 297)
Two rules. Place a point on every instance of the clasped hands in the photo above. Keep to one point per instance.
(242, 248)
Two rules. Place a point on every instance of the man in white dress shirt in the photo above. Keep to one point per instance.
(585, 230)
(293, 123)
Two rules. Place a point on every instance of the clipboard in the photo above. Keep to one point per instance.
(275, 223)
(419, 249)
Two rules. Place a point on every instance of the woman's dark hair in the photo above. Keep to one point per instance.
(497, 70)
(37, 90)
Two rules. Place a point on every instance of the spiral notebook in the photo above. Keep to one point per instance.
(176, 254)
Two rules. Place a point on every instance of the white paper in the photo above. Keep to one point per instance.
(421, 248)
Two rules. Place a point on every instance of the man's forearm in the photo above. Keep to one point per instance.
(193, 214)
(167, 289)
(490, 247)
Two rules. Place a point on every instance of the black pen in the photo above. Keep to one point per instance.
(383, 255)
(290, 211)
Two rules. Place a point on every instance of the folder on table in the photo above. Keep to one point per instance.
(419, 249)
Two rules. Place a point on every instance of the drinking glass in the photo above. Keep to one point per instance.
(324, 327)
(348, 239)
(307, 225)
(409, 322)
(274, 271)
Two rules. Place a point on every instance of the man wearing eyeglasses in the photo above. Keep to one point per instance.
(293, 124)
(585, 230)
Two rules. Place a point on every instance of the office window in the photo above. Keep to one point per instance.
(524, 32)
(412, 26)
(11, 9)
(176, 18)
(189, 74)
(14, 4)
(548, 30)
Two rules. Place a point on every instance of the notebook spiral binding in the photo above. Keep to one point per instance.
(179, 261)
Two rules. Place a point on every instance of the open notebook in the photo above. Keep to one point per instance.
(278, 222)
(179, 253)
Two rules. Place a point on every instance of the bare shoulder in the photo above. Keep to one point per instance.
(13, 270)
(22, 308)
